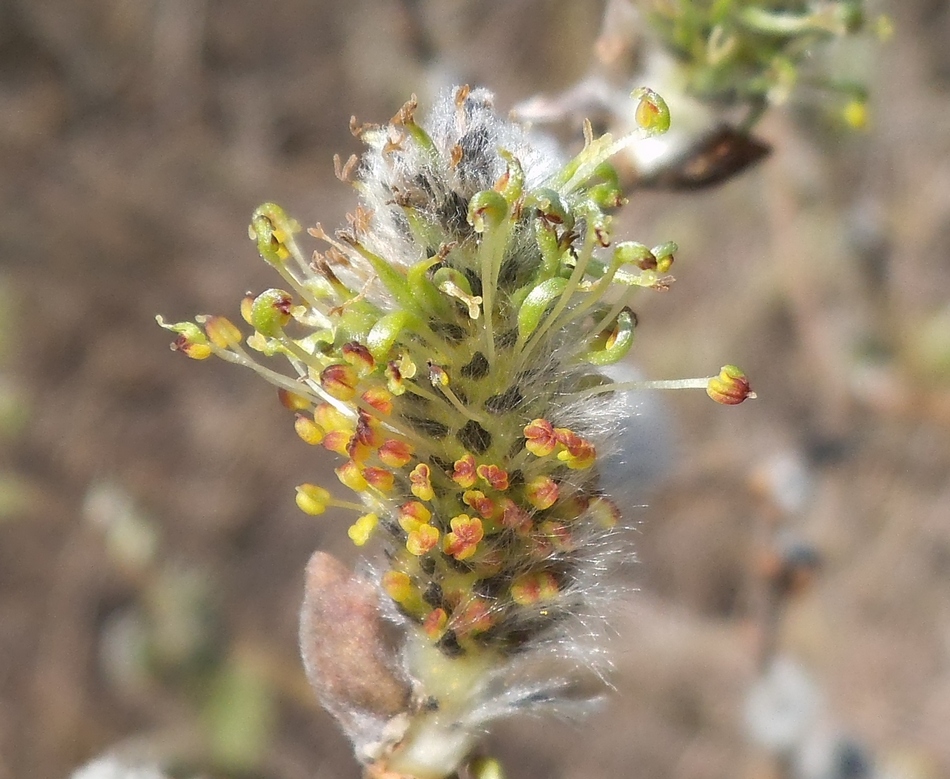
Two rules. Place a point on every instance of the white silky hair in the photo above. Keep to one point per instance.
(437, 186)
(642, 441)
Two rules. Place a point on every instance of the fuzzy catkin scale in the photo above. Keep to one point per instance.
(449, 346)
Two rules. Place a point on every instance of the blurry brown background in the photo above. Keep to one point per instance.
(150, 551)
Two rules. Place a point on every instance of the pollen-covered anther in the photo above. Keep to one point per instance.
(422, 540)
(339, 381)
(221, 331)
(413, 514)
(541, 492)
(464, 473)
(604, 512)
(474, 617)
(379, 478)
(193, 348)
(361, 530)
(331, 418)
(359, 357)
(496, 477)
(312, 499)
(368, 431)
(540, 438)
(398, 586)
(308, 430)
(533, 588)
(350, 475)
(557, 534)
(567, 438)
(434, 623)
(514, 517)
(361, 446)
(578, 452)
(292, 401)
(730, 387)
(581, 456)
(338, 441)
(395, 453)
(358, 452)
(476, 499)
(462, 542)
(395, 382)
(380, 399)
(420, 481)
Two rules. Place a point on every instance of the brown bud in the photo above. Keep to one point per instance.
(347, 659)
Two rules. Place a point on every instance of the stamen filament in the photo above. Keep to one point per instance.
(303, 356)
(626, 386)
(391, 426)
(573, 283)
(491, 250)
(622, 302)
(346, 504)
(462, 409)
(240, 357)
(304, 293)
(593, 296)
(316, 394)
